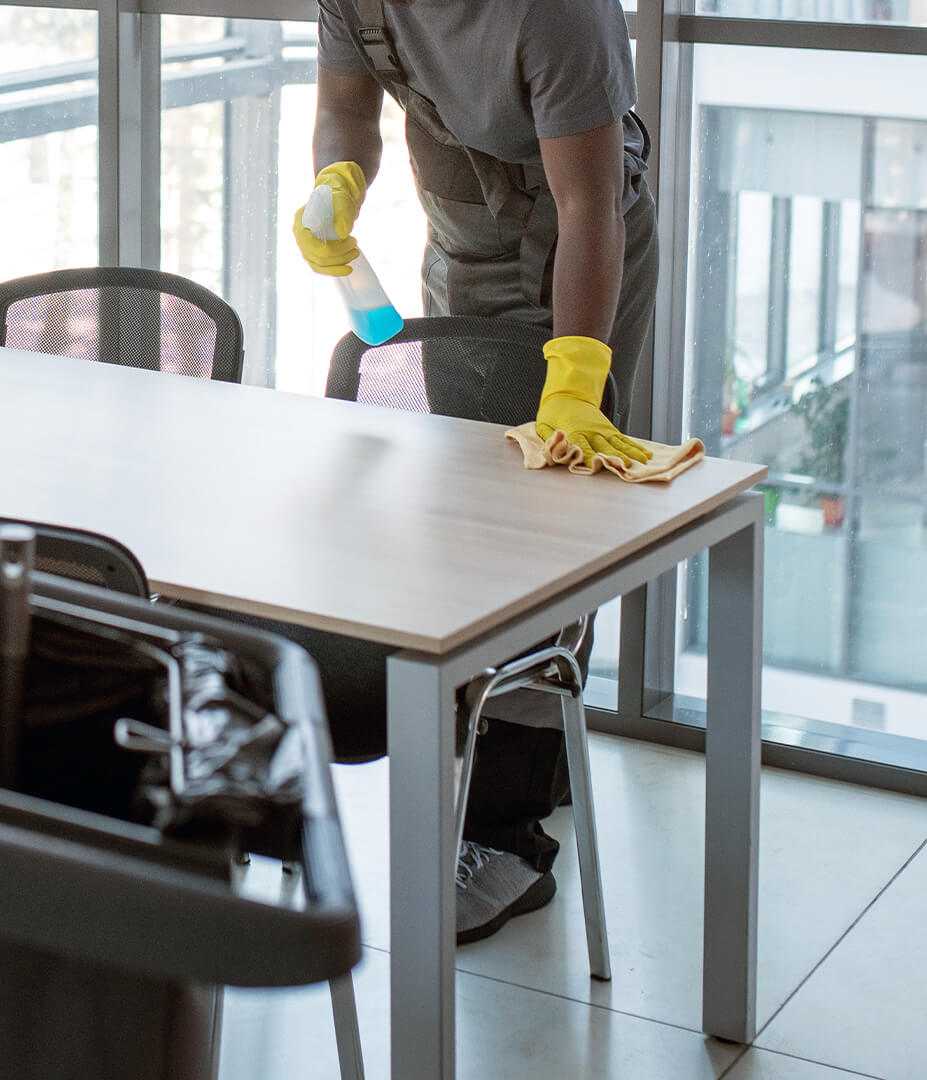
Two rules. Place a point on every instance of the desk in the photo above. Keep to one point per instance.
(425, 533)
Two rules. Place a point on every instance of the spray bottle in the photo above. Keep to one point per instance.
(373, 317)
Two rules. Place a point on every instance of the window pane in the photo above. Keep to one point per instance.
(806, 175)
(237, 162)
(602, 684)
(804, 282)
(907, 12)
(191, 30)
(48, 140)
(749, 346)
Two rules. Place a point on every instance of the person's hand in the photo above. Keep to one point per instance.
(577, 368)
(332, 253)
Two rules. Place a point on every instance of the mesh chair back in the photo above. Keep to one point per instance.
(88, 557)
(120, 315)
(475, 369)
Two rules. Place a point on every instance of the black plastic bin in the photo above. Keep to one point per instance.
(116, 939)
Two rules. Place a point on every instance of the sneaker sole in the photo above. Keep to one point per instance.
(539, 895)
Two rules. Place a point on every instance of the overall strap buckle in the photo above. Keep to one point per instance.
(379, 47)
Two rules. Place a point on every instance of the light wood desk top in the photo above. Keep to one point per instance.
(417, 531)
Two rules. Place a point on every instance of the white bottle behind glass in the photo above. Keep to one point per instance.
(373, 317)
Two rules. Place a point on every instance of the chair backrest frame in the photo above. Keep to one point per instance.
(111, 564)
(345, 371)
(229, 333)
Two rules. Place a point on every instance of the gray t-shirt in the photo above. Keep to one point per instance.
(504, 73)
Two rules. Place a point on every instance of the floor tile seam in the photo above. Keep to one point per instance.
(582, 1001)
(559, 997)
(823, 1064)
(843, 936)
(565, 997)
(662, 1023)
(733, 1065)
(555, 995)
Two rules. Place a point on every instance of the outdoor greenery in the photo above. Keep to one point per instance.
(825, 411)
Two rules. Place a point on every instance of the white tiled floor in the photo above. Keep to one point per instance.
(842, 942)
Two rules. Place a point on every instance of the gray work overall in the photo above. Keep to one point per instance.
(492, 237)
(492, 225)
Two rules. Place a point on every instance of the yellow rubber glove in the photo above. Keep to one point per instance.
(577, 368)
(332, 257)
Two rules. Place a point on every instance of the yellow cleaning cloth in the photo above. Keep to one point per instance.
(666, 464)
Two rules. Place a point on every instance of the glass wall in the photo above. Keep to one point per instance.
(910, 12)
(48, 139)
(239, 107)
(807, 351)
(802, 339)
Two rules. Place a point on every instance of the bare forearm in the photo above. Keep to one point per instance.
(587, 271)
(347, 123)
(585, 179)
(340, 137)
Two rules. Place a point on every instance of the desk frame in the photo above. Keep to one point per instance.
(421, 694)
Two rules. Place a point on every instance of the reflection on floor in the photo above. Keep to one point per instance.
(843, 944)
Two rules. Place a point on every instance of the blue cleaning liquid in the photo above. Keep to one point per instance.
(376, 325)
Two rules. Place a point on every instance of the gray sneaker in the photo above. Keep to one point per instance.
(492, 887)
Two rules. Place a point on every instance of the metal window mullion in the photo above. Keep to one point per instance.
(71, 5)
(798, 34)
(668, 393)
(108, 132)
(664, 71)
(129, 136)
(852, 458)
(277, 10)
(777, 327)
(150, 90)
(649, 72)
(829, 288)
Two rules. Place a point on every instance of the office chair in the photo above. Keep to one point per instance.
(87, 557)
(90, 654)
(467, 367)
(93, 559)
(491, 370)
(121, 315)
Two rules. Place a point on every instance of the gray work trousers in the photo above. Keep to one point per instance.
(475, 265)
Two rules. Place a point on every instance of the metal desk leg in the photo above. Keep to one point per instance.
(732, 765)
(422, 861)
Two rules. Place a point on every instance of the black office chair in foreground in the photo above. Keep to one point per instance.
(90, 558)
(87, 557)
(120, 916)
(491, 370)
(123, 315)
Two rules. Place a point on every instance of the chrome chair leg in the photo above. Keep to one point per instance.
(344, 1010)
(590, 872)
(475, 698)
(554, 669)
(347, 1032)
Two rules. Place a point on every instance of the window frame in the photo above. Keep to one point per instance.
(667, 31)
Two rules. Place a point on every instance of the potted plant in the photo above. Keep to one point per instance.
(735, 394)
(825, 410)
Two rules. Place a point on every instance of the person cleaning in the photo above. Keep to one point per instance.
(529, 163)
